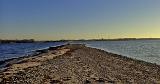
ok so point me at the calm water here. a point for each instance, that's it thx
(146, 50)
(15, 50)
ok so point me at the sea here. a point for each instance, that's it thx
(15, 50)
(146, 50)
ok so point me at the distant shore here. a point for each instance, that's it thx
(78, 64)
(33, 41)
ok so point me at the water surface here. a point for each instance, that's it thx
(14, 50)
(146, 50)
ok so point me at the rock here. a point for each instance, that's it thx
(66, 78)
(87, 81)
(55, 81)
(1, 80)
(100, 80)
(42, 51)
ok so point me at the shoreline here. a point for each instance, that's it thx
(3, 63)
(97, 66)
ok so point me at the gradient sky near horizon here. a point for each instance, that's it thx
(79, 19)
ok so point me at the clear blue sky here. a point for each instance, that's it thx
(79, 19)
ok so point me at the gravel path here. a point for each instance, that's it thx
(83, 65)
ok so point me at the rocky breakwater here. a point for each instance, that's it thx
(78, 64)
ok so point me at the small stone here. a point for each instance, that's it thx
(1, 79)
(66, 78)
(100, 80)
(87, 81)
(55, 81)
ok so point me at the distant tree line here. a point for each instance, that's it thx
(18, 41)
(32, 40)
(123, 39)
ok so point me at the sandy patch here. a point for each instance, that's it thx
(33, 61)
(51, 56)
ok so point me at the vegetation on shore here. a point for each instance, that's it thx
(18, 41)
(32, 40)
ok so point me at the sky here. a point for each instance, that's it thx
(79, 19)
